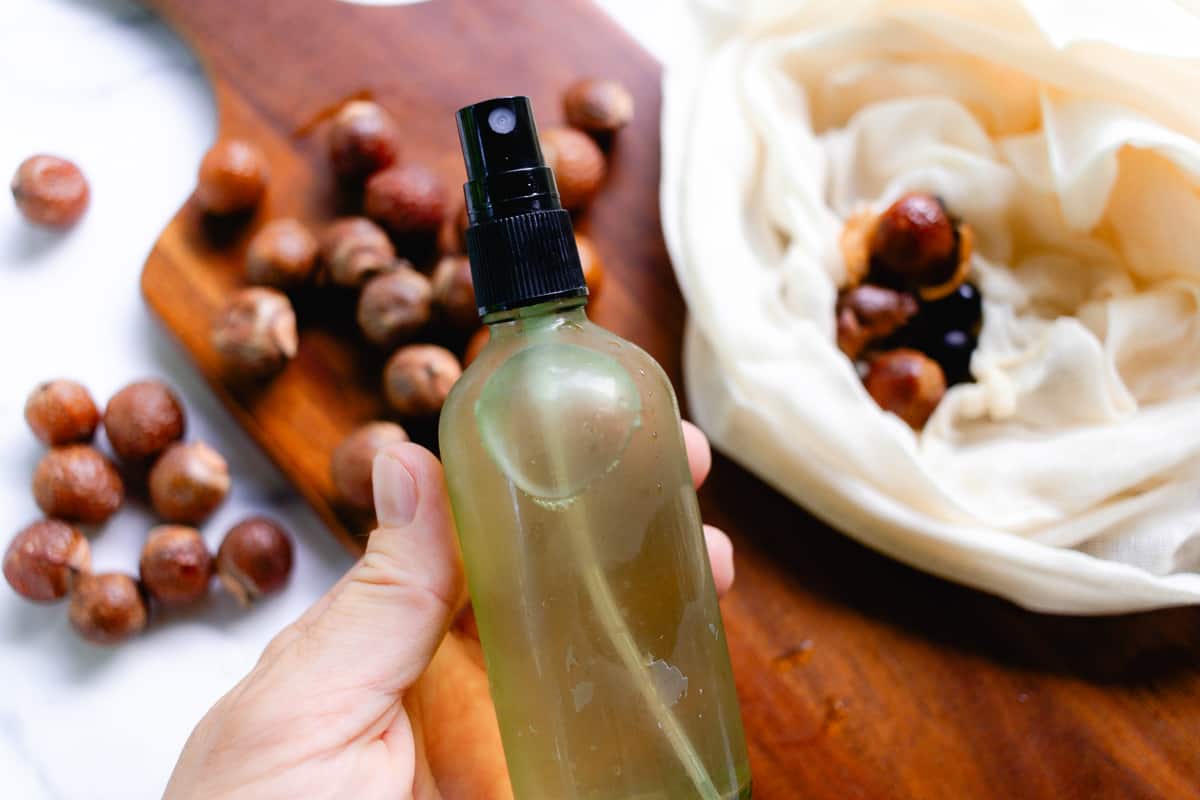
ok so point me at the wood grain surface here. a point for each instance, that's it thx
(859, 677)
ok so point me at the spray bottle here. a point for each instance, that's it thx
(579, 525)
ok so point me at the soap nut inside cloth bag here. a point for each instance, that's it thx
(1066, 476)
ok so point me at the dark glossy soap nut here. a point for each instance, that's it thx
(61, 412)
(952, 349)
(75, 482)
(188, 482)
(282, 254)
(142, 420)
(354, 250)
(915, 239)
(962, 309)
(362, 140)
(598, 106)
(254, 559)
(353, 462)
(176, 567)
(906, 382)
(233, 177)
(44, 558)
(107, 608)
(407, 199)
(394, 306)
(50, 191)
(418, 378)
(454, 292)
(255, 334)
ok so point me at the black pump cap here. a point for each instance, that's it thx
(520, 240)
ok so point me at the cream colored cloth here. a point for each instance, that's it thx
(1067, 477)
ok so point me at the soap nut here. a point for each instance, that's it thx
(188, 482)
(454, 292)
(578, 164)
(232, 178)
(142, 420)
(914, 239)
(354, 458)
(107, 608)
(43, 559)
(254, 559)
(394, 306)
(61, 412)
(50, 191)
(282, 254)
(907, 383)
(406, 199)
(362, 140)
(176, 567)
(75, 482)
(598, 106)
(354, 250)
(417, 379)
(255, 333)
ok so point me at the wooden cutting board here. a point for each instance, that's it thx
(859, 677)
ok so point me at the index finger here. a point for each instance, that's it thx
(698, 451)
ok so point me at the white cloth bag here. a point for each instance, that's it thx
(1067, 477)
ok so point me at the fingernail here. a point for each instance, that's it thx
(395, 491)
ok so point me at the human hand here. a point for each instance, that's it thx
(373, 692)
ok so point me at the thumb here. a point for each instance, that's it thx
(382, 626)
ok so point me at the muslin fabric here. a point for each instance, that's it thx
(1066, 477)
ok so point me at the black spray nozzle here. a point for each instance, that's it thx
(520, 240)
(506, 174)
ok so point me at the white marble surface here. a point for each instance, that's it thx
(103, 83)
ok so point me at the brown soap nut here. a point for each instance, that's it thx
(589, 260)
(454, 292)
(255, 333)
(107, 608)
(578, 164)
(176, 567)
(475, 345)
(353, 462)
(354, 250)
(598, 106)
(452, 236)
(408, 199)
(868, 313)
(282, 254)
(232, 178)
(142, 420)
(418, 377)
(188, 482)
(75, 482)
(254, 559)
(61, 411)
(362, 140)
(50, 191)
(907, 383)
(43, 559)
(394, 306)
(915, 239)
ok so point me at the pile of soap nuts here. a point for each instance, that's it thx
(402, 202)
(906, 313)
(74, 483)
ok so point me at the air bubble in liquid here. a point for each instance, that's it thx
(556, 417)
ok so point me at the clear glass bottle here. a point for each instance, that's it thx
(579, 524)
